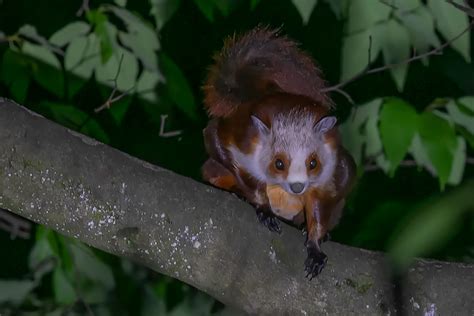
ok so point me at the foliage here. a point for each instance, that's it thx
(129, 74)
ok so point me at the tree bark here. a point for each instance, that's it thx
(198, 234)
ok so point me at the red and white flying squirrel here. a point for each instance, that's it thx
(271, 139)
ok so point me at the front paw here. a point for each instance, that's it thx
(269, 220)
(315, 262)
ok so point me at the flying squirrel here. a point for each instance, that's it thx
(271, 138)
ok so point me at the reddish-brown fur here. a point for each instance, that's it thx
(259, 63)
(263, 74)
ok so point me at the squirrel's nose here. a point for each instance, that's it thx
(297, 187)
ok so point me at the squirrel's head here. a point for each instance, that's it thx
(295, 153)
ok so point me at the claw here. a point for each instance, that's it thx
(270, 221)
(315, 262)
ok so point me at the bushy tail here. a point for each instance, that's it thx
(256, 64)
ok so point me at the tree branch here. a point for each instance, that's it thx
(195, 233)
(436, 51)
(406, 163)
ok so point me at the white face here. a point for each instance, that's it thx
(293, 153)
(297, 180)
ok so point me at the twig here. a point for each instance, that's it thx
(162, 128)
(391, 5)
(408, 163)
(16, 226)
(346, 95)
(370, 51)
(84, 8)
(113, 98)
(45, 43)
(467, 9)
(435, 51)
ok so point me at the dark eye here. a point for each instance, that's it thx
(279, 164)
(312, 164)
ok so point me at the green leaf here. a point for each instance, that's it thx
(69, 32)
(140, 38)
(125, 65)
(467, 136)
(90, 266)
(254, 3)
(405, 5)
(373, 142)
(339, 7)
(15, 74)
(119, 109)
(224, 6)
(365, 14)
(354, 135)
(106, 33)
(151, 304)
(199, 305)
(30, 32)
(459, 162)
(431, 226)
(395, 42)
(74, 119)
(398, 124)
(178, 87)
(419, 154)
(352, 140)
(46, 73)
(41, 53)
(305, 8)
(467, 102)
(451, 21)
(63, 290)
(163, 10)
(41, 253)
(207, 8)
(439, 140)
(420, 25)
(64, 114)
(14, 292)
(145, 54)
(355, 53)
(121, 3)
(372, 137)
(460, 117)
(146, 85)
(83, 56)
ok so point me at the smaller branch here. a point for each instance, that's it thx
(16, 226)
(346, 95)
(84, 8)
(370, 51)
(391, 5)
(435, 51)
(407, 163)
(467, 9)
(162, 128)
(113, 98)
(45, 43)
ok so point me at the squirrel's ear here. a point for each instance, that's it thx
(325, 124)
(264, 130)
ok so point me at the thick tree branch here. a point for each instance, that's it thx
(200, 235)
